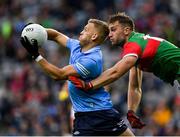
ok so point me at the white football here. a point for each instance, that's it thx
(35, 32)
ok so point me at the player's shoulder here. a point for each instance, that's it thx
(72, 44)
(95, 57)
(73, 41)
(136, 36)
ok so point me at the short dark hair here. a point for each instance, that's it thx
(102, 28)
(122, 18)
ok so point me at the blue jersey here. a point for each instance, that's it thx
(88, 65)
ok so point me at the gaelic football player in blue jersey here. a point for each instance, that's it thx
(94, 114)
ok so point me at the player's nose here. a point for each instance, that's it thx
(109, 36)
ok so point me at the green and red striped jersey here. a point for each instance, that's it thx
(154, 55)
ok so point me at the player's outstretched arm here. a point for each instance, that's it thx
(53, 71)
(108, 76)
(134, 97)
(114, 73)
(56, 36)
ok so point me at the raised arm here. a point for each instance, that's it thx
(56, 36)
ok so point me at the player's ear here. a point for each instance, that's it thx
(94, 36)
(127, 30)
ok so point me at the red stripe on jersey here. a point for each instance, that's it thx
(131, 48)
(148, 54)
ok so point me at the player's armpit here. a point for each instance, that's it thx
(58, 37)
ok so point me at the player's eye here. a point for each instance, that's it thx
(113, 29)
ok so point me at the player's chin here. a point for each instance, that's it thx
(113, 43)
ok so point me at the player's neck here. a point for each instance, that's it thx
(88, 47)
(127, 37)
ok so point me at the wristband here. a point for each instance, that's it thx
(38, 58)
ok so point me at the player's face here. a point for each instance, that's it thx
(116, 33)
(86, 34)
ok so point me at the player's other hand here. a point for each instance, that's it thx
(80, 83)
(134, 120)
(31, 47)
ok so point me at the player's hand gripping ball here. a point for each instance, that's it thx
(35, 32)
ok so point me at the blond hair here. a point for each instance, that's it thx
(102, 28)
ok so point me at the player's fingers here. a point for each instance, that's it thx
(34, 42)
(27, 41)
(138, 125)
(72, 77)
(74, 81)
(135, 117)
(27, 44)
(77, 84)
(22, 41)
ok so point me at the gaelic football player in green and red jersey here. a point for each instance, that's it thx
(151, 54)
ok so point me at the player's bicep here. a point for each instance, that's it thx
(62, 39)
(58, 37)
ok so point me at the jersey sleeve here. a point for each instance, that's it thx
(131, 49)
(72, 43)
(85, 67)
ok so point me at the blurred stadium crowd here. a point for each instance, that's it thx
(31, 103)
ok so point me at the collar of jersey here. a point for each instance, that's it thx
(132, 33)
(92, 50)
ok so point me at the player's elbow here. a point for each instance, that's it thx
(138, 90)
(135, 88)
(58, 75)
